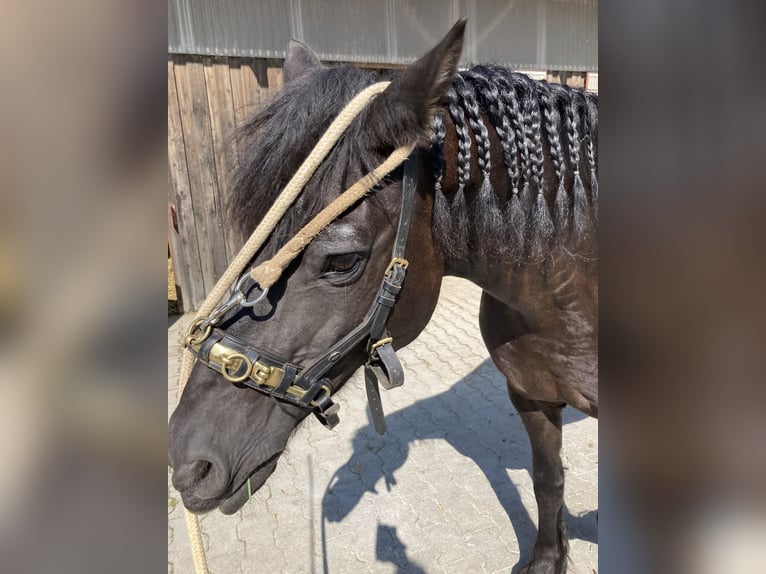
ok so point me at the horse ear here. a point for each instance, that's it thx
(404, 111)
(299, 60)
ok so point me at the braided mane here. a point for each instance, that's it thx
(546, 133)
(546, 137)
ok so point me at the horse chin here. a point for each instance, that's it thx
(240, 496)
(197, 505)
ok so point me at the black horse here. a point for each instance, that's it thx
(507, 198)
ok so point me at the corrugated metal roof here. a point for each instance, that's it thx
(531, 34)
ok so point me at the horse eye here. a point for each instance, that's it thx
(342, 263)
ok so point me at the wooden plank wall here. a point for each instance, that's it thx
(208, 97)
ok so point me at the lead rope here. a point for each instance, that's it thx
(268, 272)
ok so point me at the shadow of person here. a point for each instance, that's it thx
(477, 419)
(388, 548)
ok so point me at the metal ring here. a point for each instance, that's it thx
(243, 298)
(195, 339)
(226, 361)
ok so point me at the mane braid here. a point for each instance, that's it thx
(518, 87)
(591, 158)
(533, 132)
(551, 132)
(540, 225)
(489, 94)
(438, 133)
(513, 108)
(458, 242)
(489, 97)
(581, 216)
(516, 221)
(463, 138)
(467, 99)
(549, 97)
(442, 219)
(485, 207)
(574, 153)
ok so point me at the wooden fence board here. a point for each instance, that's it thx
(244, 89)
(200, 160)
(222, 122)
(273, 79)
(186, 262)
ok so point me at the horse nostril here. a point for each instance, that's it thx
(187, 476)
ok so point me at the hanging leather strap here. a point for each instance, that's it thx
(373, 401)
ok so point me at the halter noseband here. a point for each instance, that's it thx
(309, 387)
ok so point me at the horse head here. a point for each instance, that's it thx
(226, 438)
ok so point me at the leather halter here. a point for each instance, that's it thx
(309, 387)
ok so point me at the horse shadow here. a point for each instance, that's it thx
(477, 419)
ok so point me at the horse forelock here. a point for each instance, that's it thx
(272, 145)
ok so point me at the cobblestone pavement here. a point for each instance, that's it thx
(447, 489)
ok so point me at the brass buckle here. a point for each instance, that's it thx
(400, 260)
(267, 375)
(380, 343)
(261, 373)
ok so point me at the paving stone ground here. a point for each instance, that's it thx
(447, 489)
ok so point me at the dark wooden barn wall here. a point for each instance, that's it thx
(207, 98)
